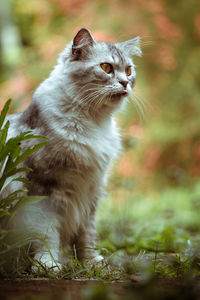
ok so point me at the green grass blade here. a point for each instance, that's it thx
(31, 136)
(4, 112)
(24, 200)
(8, 200)
(28, 152)
(23, 180)
(8, 148)
(12, 172)
(2, 165)
(3, 135)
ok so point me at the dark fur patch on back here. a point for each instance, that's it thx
(31, 116)
(41, 184)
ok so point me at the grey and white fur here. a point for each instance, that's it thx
(74, 109)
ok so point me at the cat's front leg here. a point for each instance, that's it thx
(85, 241)
(45, 250)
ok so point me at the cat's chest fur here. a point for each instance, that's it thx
(76, 156)
(91, 144)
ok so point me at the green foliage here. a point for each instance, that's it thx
(11, 157)
(153, 236)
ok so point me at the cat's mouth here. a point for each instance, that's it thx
(119, 95)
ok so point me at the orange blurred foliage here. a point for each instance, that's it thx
(19, 86)
(49, 49)
(166, 57)
(70, 7)
(125, 167)
(166, 29)
(150, 158)
(103, 36)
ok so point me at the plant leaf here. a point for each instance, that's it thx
(4, 112)
(12, 172)
(23, 180)
(3, 134)
(28, 152)
(5, 202)
(24, 200)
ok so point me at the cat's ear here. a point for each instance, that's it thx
(132, 46)
(82, 43)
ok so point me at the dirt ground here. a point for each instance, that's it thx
(48, 288)
(51, 289)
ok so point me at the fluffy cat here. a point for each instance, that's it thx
(74, 109)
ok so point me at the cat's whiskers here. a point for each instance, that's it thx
(91, 98)
(94, 101)
(90, 87)
(104, 93)
(85, 103)
(140, 100)
(98, 102)
(91, 92)
(139, 106)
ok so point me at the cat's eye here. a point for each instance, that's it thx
(107, 67)
(128, 70)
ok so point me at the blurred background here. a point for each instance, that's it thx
(161, 135)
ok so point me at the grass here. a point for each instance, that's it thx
(170, 219)
(159, 233)
(144, 237)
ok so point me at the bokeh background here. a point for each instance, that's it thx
(161, 135)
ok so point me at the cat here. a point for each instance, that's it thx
(74, 109)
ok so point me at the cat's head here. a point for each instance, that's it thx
(100, 74)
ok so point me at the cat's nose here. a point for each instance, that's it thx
(124, 83)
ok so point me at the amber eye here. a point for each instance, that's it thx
(107, 67)
(128, 70)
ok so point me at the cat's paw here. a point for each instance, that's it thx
(44, 263)
(42, 267)
(97, 259)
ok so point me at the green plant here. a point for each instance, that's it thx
(11, 157)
